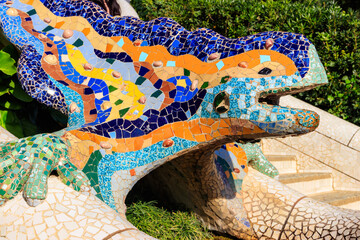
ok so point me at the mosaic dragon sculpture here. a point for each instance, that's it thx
(140, 95)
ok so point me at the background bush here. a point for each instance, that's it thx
(19, 113)
(349, 4)
(333, 30)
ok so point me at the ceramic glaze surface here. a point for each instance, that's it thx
(140, 94)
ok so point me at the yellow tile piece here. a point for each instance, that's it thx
(127, 91)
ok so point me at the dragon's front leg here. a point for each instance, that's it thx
(27, 163)
(257, 160)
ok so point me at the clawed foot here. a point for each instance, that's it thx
(258, 161)
(26, 164)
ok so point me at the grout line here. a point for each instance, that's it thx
(287, 219)
(339, 141)
(116, 232)
(352, 137)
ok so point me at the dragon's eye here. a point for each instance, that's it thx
(221, 103)
(265, 71)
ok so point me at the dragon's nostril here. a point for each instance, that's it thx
(265, 71)
(221, 102)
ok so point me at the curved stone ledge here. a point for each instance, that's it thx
(6, 136)
(355, 141)
(65, 214)
(127, 9)
(330, 126)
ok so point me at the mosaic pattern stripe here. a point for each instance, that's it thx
(141, 94)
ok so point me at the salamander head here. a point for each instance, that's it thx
(247, 95)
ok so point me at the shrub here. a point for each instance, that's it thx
(334, 32)
(349, 4)
(13, 100)
(19, 113)
(162, 224)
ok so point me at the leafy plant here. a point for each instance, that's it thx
(335, 33)
(162, 224)
(12, 97)
(19, 113)
(349, 4)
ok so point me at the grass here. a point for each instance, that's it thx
(163, 224)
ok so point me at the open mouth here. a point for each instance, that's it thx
(272, 97)
(288, 120)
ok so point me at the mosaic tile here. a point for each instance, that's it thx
(141, 94)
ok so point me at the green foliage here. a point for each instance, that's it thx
(19, 113)
(334, 32)
(349, 4)
(163, 224)
(7, 63)
(12, 98)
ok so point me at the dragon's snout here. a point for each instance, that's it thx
(264, 109)
(309, 120)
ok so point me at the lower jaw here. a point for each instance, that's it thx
(289, 121)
